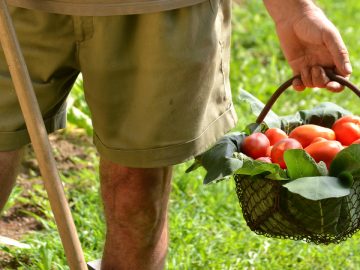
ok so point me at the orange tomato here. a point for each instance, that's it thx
(347, 129)
(305, 134)
(255, 145)
(275, 134)
(324, 151)
(277, 152)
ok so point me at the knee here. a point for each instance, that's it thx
(11, 158)
(135, 199)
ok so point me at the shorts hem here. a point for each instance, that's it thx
(14, 140)
(172, 154)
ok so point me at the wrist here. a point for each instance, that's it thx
(283, 10)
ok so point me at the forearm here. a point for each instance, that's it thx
(281, 10)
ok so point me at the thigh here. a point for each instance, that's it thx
(158, 87)
(48, 46)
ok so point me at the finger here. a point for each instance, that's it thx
(338, 72)
(298, 85)
(334, 86)
(319, 77)
(306, 77)
(338, 51)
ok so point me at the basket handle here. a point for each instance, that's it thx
(332, 76)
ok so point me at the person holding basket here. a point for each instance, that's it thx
(161, 60)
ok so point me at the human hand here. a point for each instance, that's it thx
(311, 43)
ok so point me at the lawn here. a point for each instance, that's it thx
(206, 223)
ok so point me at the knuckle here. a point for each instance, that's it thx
(343, 52)
(306, 77)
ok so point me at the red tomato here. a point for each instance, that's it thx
(318, 139)
(275, 134)
(277, 152)
(268, 151)
(357, 141)
(324, 151)
(264, 159)
(347, 129)
(305, 134)
(255, 145)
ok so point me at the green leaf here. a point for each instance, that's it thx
(300, 164)
(322, 168)
(194, 166)
(252, 167)
(290, 122)
(346, 178)
(255, 127)
(318, 187)
(219, 161)
(271, 119)
(348, 160)
(325, 114)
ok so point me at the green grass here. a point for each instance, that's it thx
(207, 230)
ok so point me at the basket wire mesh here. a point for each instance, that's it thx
(270, 209)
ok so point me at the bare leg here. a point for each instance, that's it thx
(9, 166)
(135, 202)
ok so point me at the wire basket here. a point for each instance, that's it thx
(272, 210)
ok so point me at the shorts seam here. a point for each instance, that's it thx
(170, 146)
(172, 154)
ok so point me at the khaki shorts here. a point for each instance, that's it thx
(156, 84)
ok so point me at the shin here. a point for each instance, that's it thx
(135, 202)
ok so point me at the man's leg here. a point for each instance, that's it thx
(135, 202)
(9, 166)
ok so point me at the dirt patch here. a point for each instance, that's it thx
(71, 152)
(16, 223)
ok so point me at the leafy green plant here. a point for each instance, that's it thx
(78, 110)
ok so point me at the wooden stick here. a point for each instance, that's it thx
(40, 140)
